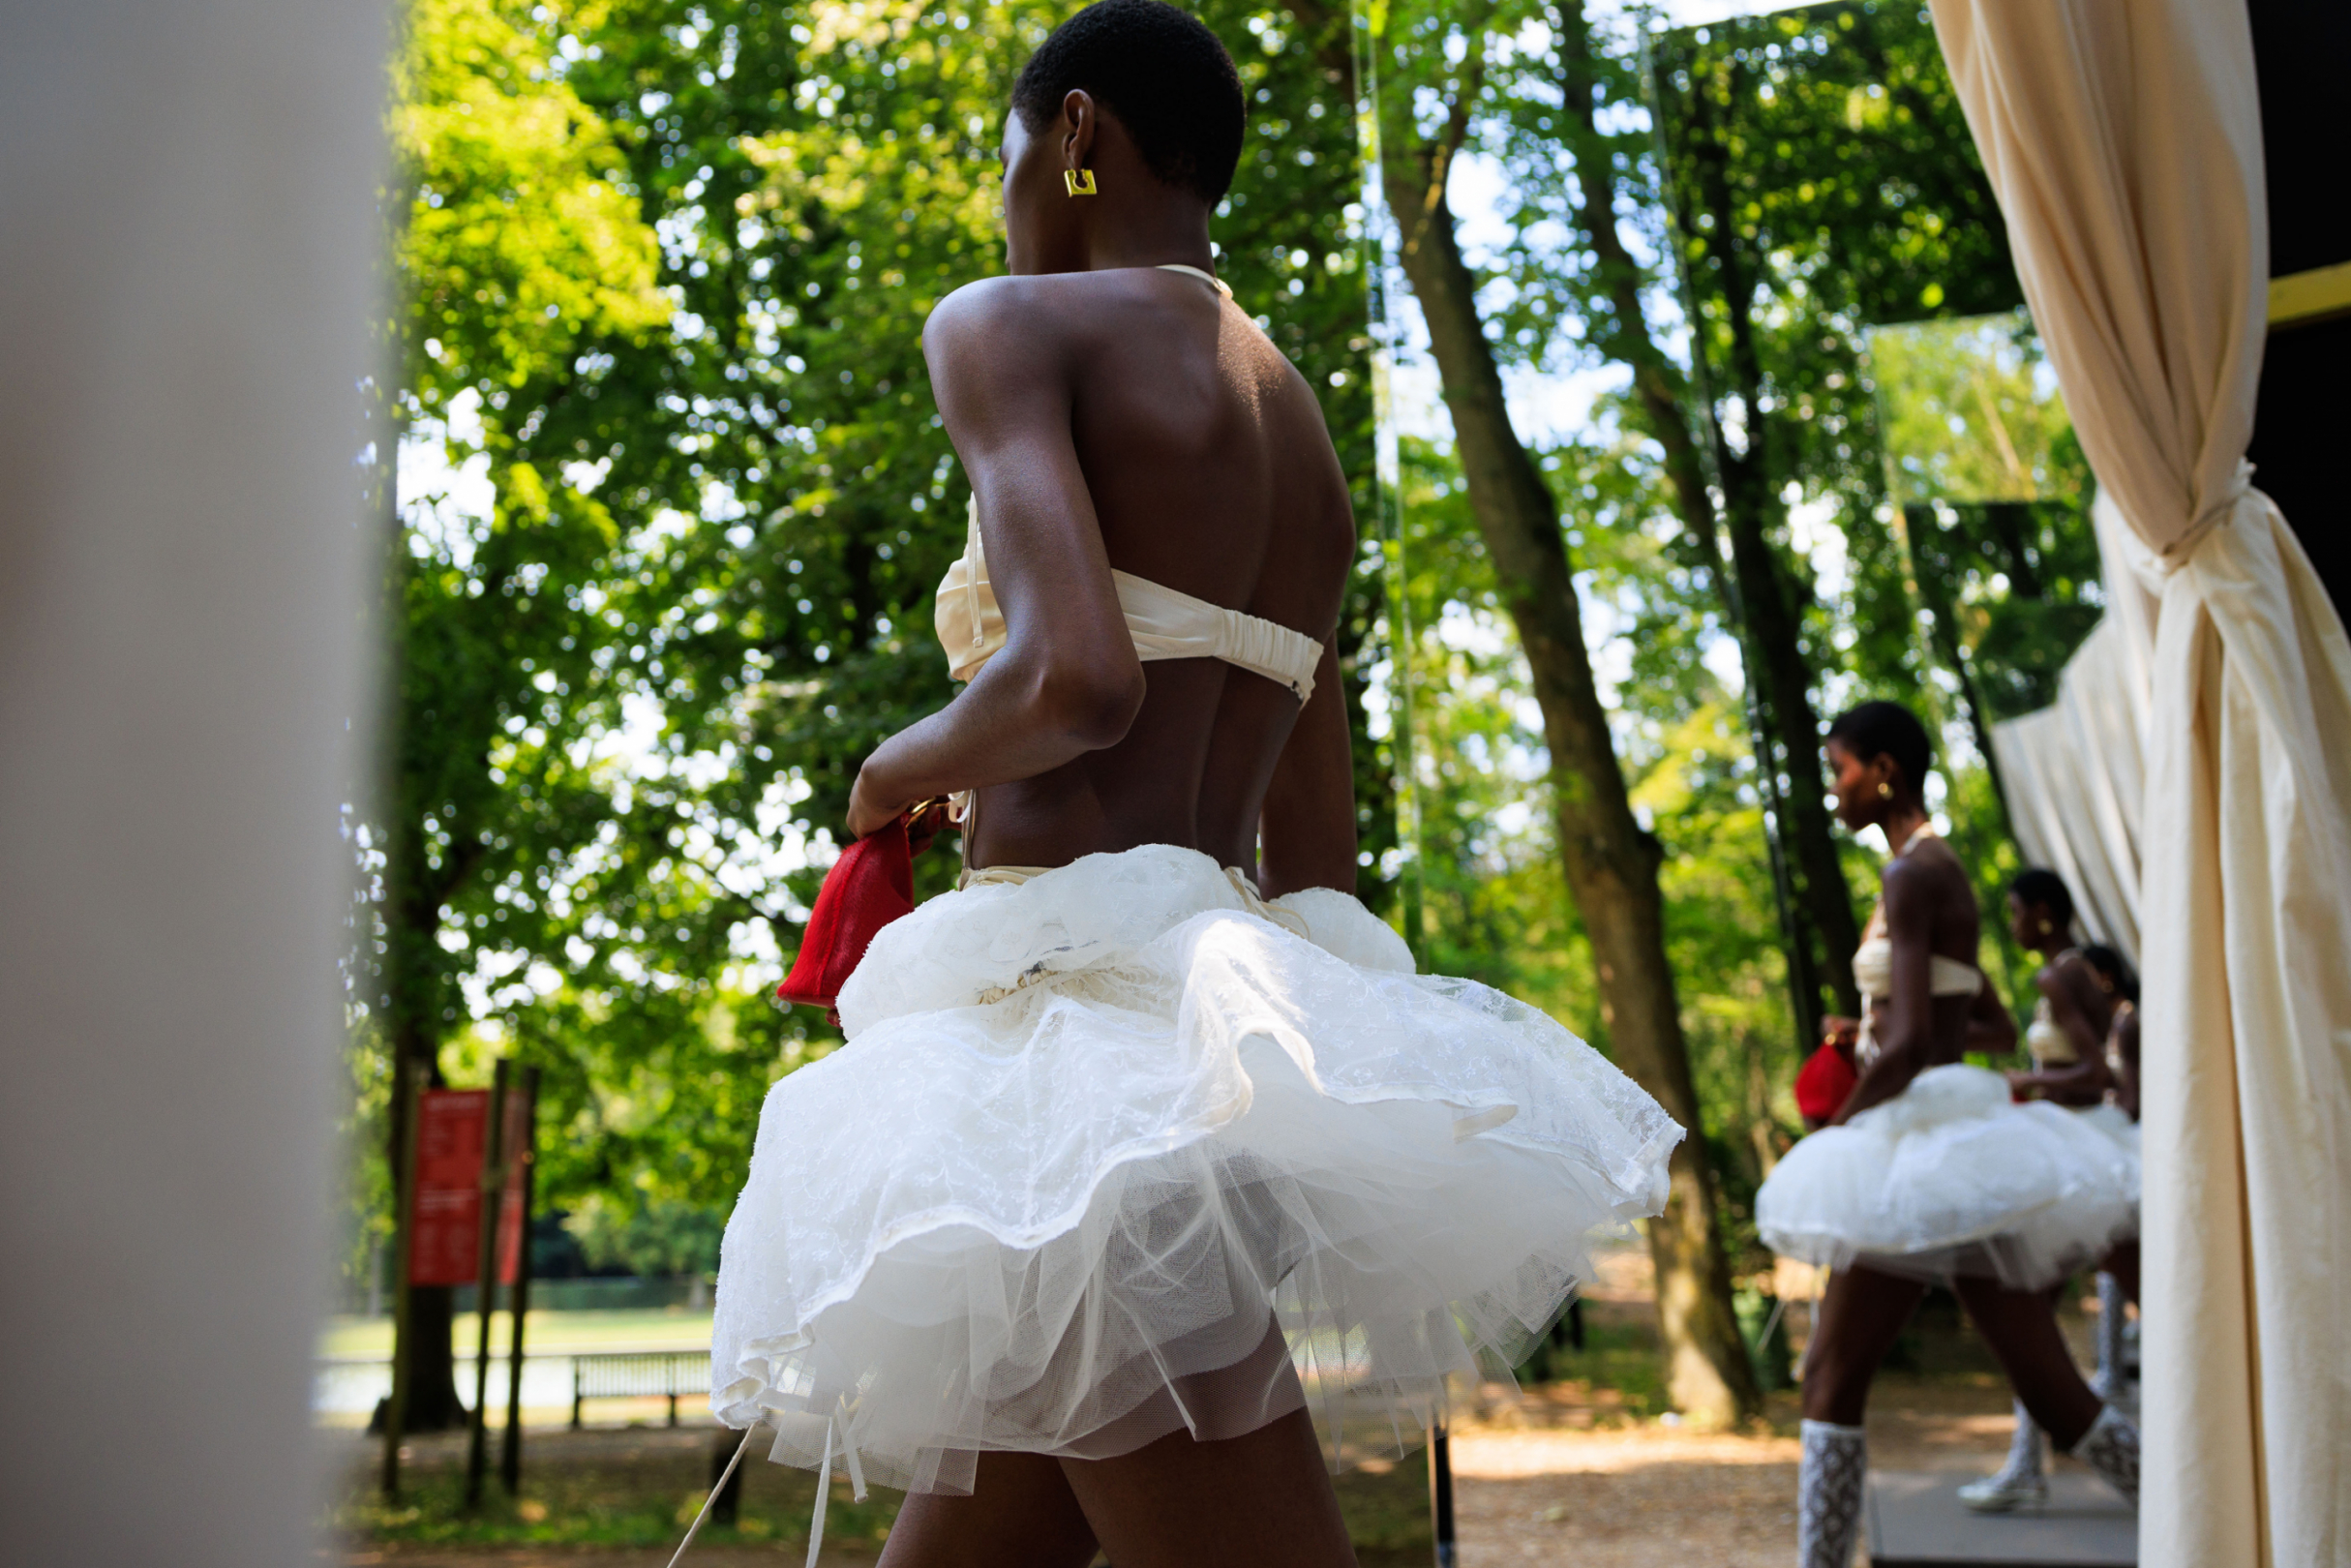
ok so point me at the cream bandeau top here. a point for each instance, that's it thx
(1874, 968)
(1165, 624)
(2045, 1038)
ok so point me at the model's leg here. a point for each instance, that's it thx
(2122, 1267)
(1261, 1498)
(2023, 1477)
(2021, 1328)
(1021, 1514)
(1860, 1313)
(2123, 1264)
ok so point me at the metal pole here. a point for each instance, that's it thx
(1363, 41)
(518, 1305)
(410, 1086)
(1440, 1495)
(494, 1189)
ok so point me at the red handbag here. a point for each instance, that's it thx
(1823, 1083)
(871, 884)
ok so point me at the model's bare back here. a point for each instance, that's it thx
(1211, 473)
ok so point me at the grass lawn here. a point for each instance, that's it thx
(639, 1486)
(661, 1327)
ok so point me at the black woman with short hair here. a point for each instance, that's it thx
(1147, 1144)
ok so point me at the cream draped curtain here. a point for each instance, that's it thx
(2123, 140)
(2073, 772)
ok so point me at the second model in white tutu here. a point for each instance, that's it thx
(1950, 1178)
(1121, 1149)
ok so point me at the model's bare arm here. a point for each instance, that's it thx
(1067, 680)
(1905, 1044)
(1990, 1028)
(1306, 828)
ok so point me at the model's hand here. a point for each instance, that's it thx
(870, 809)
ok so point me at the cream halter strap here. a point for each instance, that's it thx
(1209, 278)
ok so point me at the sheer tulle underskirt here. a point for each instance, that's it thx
(1950, 1179)
(1193, 1172)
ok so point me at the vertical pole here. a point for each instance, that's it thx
(1440, 1495)
(1365, 26)
(409, 1085)
(494, 1189)
(518, 1305)
(1364, 29)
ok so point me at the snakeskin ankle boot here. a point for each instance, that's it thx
(2111, 1447)
(1828, 1494)
(2023, 1480)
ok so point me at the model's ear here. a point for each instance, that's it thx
(1078, 119)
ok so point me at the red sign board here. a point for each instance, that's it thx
(451, 1131)
(444, 1243)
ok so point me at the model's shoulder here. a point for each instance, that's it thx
(1011, 309)
(1923, 870)
(979, 309)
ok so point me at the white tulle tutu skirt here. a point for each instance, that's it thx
(1196, 1163)
(1949, 1178)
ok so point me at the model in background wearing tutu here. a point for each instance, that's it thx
(2119, 1281)
(2067, 1035)
(1929, 1172)
(1147, 1144)
(2066, 1041)
(2116, 980)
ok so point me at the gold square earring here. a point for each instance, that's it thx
(1080, 181)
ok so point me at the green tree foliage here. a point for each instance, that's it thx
(655, 1239)
(519, 243)
(1982, 459)
(1498, 909)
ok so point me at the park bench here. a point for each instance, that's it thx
(637, 1374)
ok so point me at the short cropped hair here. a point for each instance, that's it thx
(1887, 729)
(2111, 964)
(2037, 886)
(1166, 77)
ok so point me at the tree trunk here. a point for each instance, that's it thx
(1816, 883)
(430, 1345)
(410, 1004)
(1611, 863)
(1772, 603)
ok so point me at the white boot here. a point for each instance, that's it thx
(2022, 1480)
(2112, 1379)
(1828, 1494)
(2111, 1447)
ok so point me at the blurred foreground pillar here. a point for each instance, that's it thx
(185, 278)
